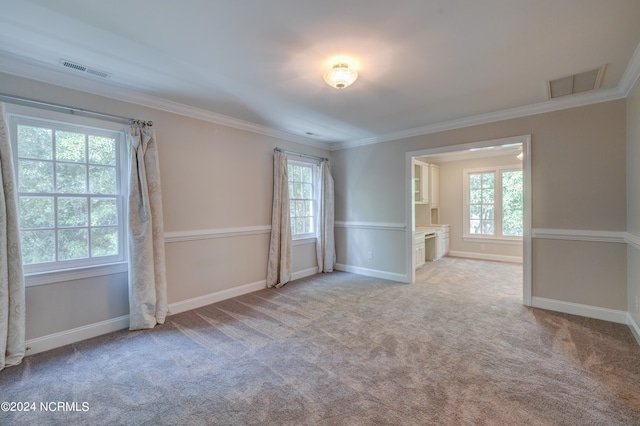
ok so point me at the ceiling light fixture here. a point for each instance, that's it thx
(340, 76)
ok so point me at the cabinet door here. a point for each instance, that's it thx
(421, 182)
(434, 180)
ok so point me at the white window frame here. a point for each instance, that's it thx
(59, 271)
(310, 236)
(497, 237)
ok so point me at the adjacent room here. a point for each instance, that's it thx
(354, 212)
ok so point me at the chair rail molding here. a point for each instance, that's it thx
(580, 235)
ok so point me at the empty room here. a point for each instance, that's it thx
(355, 212)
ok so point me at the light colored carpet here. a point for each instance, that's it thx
(456, 348)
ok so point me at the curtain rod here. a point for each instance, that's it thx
(72, 110)
(299, 154)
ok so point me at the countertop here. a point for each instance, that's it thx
(428, 229)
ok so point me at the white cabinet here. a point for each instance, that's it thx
(442, 242)
(446, 239)
(421, 182)
(434, 185)
(419, 251)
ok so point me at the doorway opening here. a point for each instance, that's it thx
(456, 196)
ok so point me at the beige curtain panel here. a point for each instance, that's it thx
(325, 243)
(12, 293)
(147, 275)
(279, 264)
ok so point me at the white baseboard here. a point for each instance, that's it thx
(635, 328)
(304, 273)
(483, 256)
(55, 340)
(588, 311)
(217, 296)
(392, 276)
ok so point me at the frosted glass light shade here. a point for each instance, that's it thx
(340, 76)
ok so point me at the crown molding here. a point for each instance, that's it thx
(631, 74)
(22, 67)
(573, 101)
(46, 73)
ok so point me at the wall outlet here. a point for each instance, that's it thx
(483, 247)
(369, 255)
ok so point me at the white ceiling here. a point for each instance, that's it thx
(424, 65)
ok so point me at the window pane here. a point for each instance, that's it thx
(297, 174)
(36, 212)
(306, 174)
(475, 181)
(306, 191)
(102, 180)
(38, 246)
(104, 242)
(487, 180)
(512, 203)
(71, 178)
(487, 196)
(35, 176)
(104, 211)
(292, 208)
(300, 208)
(70, 147)
(299, 226)
(72, 244)
(35, 142)
(487, 212)
(474, 227)
(72, 212)
(487, 227)
(474, 212)
(297, 190)
(102, 150)
(475, 196)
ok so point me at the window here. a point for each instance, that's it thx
(494, 203)
(302, 203)
(70, 197)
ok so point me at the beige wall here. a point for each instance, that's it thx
(578, 183)
(633, 199)
(213, 177)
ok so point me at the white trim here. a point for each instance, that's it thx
(501, 240)
(36, 70)
(392, 276)
(631, 73)
(46, 73)
(580, 235)
(634, 327)
(588, 311)
(303, 241)
(386, 226)
(35, 279)
(67, 337)
(208, 234)
(527, 216)
(633, 240)
(216, 296)
(556, 104)
(304, 273)
(486, 256)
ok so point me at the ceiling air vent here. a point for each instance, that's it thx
(582, 82)
(84, 69)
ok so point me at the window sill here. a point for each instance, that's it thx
(303, 241)
(42, 278)
(509, 241)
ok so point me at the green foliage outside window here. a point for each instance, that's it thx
(68, 194)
